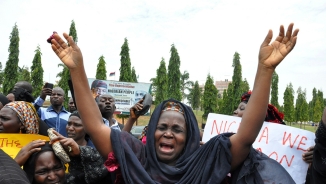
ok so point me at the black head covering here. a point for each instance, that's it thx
(3, 99)
(29, 166)
(22, 94)
(139, 164)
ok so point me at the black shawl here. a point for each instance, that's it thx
(138, 163)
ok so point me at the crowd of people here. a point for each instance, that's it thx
(102, 150)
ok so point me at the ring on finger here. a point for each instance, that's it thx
(69, 149)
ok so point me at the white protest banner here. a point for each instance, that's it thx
(282, 143)
(126, 94)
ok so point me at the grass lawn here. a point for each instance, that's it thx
(143, 120)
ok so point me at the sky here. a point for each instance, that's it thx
(206, 34)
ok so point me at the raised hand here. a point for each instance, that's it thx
(271, 55)
(28, 150)
(71, 55)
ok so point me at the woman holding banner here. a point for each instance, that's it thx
(172, 153)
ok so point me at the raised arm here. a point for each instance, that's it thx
(133, 117)
(270, 55)
(72, 57)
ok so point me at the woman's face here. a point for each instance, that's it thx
(240, 110)
(170, 136)
(75, 129)
(49, 169)
(9, 122)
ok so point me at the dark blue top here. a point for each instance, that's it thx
(54, 119)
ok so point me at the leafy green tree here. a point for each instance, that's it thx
(125, 64)
(288, 104)
(73, 31)
(301, 107)
(274, 92)
(318, 110)
(210, 97)
(174, 75)
(11, 69)
(24, 74)
(133, 75)
(244, 86)
(185, 84)
(37, 72)
(161, 83)
(101, 69)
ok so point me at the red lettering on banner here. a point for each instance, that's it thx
(9, 143)
(219, 130)
(289, 138)
(233, 122)
(274, 153)
(286, 159)
(265, 131)
(301, 142)
(2, 141)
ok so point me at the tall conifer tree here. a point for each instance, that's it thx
(125, 64)
(210, 97)
(274, 92)
(174, 74)
(11, 69)
(161, 82)
(37, 72)
(133, 75)
(64, 74)
(101, 69)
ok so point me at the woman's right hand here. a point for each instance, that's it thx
(68, 144)
(71, 55)
(137, 107)
(27, 151)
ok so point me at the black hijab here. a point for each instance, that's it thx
(138, 163)
(29, 166)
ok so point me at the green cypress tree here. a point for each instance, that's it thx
(161, 82)
(244, 86)
(210, 97)
(64, 74)
(288, 104)
(125, 64)
(196, 96)
(24, 74)
(185, 84)
(101, 69)
(274, 92)
(37, 72)
(1, 75)
(236, 83)
(11, 69)
(174, 86)
(133, 75)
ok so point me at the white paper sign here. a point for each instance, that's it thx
(282, 143)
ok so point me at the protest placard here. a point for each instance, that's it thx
(12, 143)
(282, 143)
(126, 94)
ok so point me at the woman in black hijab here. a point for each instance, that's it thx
(172, 153)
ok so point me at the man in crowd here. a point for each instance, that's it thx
(71, 105)
(55, 116)
(106, 104)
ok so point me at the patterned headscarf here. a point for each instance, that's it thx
(173, 106)
(26, 114)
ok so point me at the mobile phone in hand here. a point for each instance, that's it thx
(49, 85)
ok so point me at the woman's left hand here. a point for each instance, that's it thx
(271, 55)
(71, 147)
